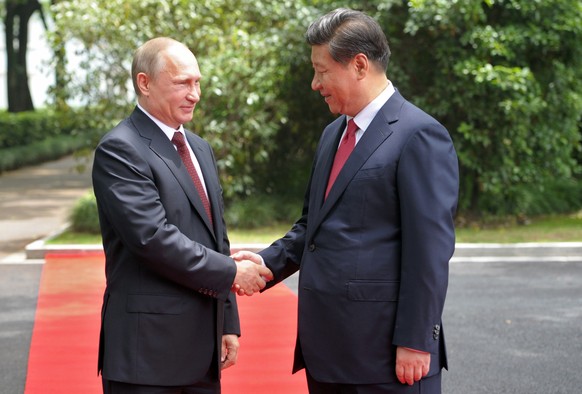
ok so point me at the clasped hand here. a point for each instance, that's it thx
(251, 275)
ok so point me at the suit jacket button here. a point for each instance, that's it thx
(436, 331)
(311, 247)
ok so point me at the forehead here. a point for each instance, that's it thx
(320, 55)
(179, 60)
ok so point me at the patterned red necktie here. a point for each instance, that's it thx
(346, 147)
(180, 143)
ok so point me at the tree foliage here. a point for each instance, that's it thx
(504, 76)
(244, 49)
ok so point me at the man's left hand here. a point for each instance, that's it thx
(411, 365)
(229, 351)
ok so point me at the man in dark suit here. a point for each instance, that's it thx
(376, 235)
(169, 319)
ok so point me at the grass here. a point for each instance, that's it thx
(556, 228)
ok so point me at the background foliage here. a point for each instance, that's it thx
(504, 76)
(32, 137)
(244, 49)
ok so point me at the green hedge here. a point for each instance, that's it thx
(249, 213)
(48, 149)
(24, 128)
(28, 138)
(84, 217)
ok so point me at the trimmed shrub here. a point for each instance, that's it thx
(84, 216)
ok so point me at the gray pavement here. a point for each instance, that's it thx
(34, 203)
(514, 327)
(513, 317)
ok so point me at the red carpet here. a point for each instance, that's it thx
(63, 350)
(269, 326)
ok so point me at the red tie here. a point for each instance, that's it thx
(180, 143)
(346, 147)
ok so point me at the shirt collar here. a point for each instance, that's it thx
(168, 131)
(365, 116)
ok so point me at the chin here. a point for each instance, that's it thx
(333, 110)
(186, 119)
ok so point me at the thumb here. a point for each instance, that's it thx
(223, 352)
(265, 273)
(237, 256)
(242, 255)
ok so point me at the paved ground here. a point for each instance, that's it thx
(513, 327)
(513, 318)
(34, 202)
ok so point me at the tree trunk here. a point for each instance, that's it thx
(18, 13)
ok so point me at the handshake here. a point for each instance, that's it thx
(251, 275)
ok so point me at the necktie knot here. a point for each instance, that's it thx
(352, 126)
(178, 139)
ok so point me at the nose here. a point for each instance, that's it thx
(194, 94)
(315, 83)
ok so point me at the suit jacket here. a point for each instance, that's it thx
(373, 257)
(167, 302)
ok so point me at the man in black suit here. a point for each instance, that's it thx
(169, 319)
(376, 235)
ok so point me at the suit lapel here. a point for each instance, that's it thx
(211, 182)
(376, 133)
(328, 151)
(162, 147)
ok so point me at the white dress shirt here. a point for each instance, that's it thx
(169, 132)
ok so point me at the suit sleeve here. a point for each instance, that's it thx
(231, 316)
(428, 189)
(283, 257)
(130, 205)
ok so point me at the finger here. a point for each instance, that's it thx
(227, 362)
(223, 351)
(266, 273)
(233, 354)
(409, 375)
(262, 283)
(235, 256)
(417, 374)
(400, 373)
(241, 255)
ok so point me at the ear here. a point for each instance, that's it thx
(143, 83)
(361, 65)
